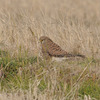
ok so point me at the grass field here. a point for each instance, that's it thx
(74, 25)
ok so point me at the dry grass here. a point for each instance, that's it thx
(73, 24)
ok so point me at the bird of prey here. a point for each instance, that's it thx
(50, 49)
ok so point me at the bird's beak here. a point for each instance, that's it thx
(41, 41)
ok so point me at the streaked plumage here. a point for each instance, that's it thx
(51, 49)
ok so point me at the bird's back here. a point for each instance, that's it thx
(53, 49)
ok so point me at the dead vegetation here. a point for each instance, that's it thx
(74, 25)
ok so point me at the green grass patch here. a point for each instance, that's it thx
(20, 72)
(91, 88)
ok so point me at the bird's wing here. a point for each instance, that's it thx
(56, 51)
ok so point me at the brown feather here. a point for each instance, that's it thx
(52, 49)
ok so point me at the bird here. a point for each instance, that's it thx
(50, 49)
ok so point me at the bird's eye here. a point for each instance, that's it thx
(42, 41)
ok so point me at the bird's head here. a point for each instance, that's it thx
(44, 38)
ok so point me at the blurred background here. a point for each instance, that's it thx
(73, 24)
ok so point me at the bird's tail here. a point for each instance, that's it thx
(74, 55)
